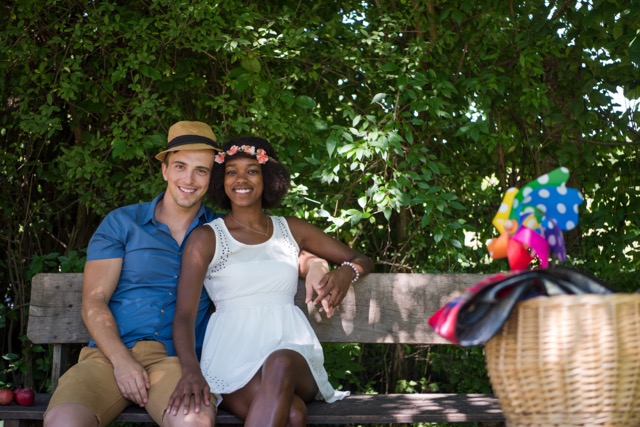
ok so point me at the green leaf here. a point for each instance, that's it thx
(305, 102)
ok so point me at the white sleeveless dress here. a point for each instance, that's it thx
(253, 289)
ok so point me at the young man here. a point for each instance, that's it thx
(129, 295)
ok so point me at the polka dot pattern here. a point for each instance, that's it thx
(545, 206)
(563, 208)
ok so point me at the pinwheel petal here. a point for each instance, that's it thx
(504, 211)
(518, 256)
(498, 246)
(536, 242)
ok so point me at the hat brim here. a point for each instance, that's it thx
(196, 146)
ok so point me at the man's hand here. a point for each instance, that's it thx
(191, 385)
(315, 271)
(132, 379)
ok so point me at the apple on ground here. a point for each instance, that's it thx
(6, 397)
(24, 396)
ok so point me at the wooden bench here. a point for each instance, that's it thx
(382, 308)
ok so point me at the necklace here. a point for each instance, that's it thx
(249, 228)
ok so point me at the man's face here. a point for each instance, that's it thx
(187, 174)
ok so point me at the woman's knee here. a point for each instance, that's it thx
(283, 361)
(297, 413)
(288, 370)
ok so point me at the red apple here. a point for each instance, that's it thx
(6, 397)
(24, 396)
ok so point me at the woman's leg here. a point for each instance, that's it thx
(285, 374)
(297, 412)
(239, 402)
(276, 396)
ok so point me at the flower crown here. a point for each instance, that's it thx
(260, 154)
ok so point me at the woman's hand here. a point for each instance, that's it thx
(332, 288)
(192, 386)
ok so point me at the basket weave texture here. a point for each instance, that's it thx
(569, 360)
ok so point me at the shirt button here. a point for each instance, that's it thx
(155, 333)
(170, 293)
(175, 277)
(162, 310)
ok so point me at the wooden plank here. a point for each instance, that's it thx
(22, 423)
(406, 408)
(57, 367)
(389, 308)
(381, 308)
(355, 409)
(34, 412)
(54, 310)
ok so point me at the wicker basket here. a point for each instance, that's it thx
(570, 360)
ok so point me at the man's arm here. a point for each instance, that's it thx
(335, 284)
(100, 282)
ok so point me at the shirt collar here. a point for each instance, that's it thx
(151, 208)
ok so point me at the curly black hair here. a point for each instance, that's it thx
(275, 176)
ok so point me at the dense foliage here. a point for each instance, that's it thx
(403, 122)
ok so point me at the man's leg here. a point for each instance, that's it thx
(71, 415)
(205, 418)
(164, 373)
(87, 394)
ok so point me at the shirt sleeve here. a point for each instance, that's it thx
(108, 241)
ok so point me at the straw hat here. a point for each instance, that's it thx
(189, 136)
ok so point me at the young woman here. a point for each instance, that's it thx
(261, 360)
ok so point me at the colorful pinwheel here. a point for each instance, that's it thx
(531, 220)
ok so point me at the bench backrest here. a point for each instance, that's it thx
(381, 308)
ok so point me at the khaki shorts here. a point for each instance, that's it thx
(91, 382)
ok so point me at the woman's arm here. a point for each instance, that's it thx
(197, 256)
(352, 264)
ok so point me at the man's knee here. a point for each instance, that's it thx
(70, 415)
(205, 418)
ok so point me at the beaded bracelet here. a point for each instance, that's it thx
(355, 270)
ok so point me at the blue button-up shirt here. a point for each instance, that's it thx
(144, 301)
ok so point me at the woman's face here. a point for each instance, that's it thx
(243, 180)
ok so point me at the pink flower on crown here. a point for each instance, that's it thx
(248, 149)
(262, 157)
(220, 157)
(233, 150)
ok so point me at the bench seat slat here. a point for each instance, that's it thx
(366, 408)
